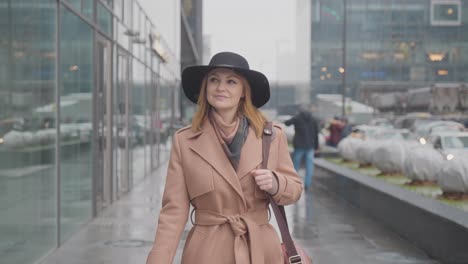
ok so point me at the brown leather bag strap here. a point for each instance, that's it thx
(277, 210)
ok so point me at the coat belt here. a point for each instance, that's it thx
(241, 225)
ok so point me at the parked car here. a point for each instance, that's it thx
(392, 134)
(424, 131)
(450, 144)
(414, 120)
(365, 131)
(381, 122)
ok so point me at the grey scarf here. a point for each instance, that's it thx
(233, 150)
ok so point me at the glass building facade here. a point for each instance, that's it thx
(409, 42)
(86, 87)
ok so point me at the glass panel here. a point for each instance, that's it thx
(104, 19)
(122, 37)
(326, 54)
(148, 43)
(136, 17)
(76, 63)
(164, 112)
(75, 4)
(464, 12)
(143, 36)
(27, 130)
(137, 121)
(118, 8)
(127, 9)
(108, 2)
(88, 8)
(154, 62)
(138, 33)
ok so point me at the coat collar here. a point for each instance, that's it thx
(206, 146)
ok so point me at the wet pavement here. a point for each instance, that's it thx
(330, 229)
(335, 232)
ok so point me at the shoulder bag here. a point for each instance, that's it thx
(293, 253)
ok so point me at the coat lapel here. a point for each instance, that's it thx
(251, 154)
(207, 147)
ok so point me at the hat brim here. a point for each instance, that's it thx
(192, 78)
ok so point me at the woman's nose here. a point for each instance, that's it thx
(221, 86)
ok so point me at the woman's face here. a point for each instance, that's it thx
(224, 90)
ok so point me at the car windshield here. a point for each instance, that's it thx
(459, 142)
(446, 128)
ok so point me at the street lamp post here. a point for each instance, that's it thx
(277, 68)
(277, 73)
(343, 77)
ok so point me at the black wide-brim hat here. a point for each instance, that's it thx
(192, 77)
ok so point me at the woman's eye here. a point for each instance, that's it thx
(232, 82)
(213, 79)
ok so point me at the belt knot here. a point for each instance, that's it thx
(244, 227)
(237, 225)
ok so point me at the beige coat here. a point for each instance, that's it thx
(231, 217)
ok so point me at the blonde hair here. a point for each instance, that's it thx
(246, 108)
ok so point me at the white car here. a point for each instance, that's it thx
(435, 127)
(450, 144)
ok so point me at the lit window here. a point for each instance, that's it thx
(445, 12)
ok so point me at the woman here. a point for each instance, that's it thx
(215, 166)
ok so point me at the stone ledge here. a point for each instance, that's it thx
(438, 229)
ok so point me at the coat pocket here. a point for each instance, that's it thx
(199, 178)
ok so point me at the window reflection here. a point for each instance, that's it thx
(27, 130)
(76, 46)
(388, 42)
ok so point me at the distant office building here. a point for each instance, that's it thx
(292, 84)
(192, 46)
(87, 90)
(403, 42)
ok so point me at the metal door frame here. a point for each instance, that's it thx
(107, 188)
(125, 174)
(154, 155)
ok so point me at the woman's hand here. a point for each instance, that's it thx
(266, 181)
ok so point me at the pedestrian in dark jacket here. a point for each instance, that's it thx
(305, 142)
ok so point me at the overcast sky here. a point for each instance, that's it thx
(260, 30)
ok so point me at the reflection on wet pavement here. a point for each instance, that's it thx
(330, 229)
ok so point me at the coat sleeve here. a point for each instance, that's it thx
(174, 212)
(289, 184)
(290, 121)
